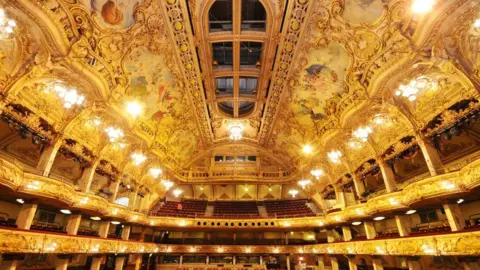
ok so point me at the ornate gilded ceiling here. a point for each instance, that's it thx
(327, 67)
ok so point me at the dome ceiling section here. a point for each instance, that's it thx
(236, 53)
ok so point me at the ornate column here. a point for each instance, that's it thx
(387, 175)
(104, 228)
(9, 265)
(352, 264)
(403, 225)
(116, 187)
(133, 198)
(470, 263)
(347, 233)
(431, 155)
(414, 263)
(73, 224)
(455, 216)
(61, 263)
(26, 215)
(339, 195)
(370, 230)
(87, 177)
(96, 262)
(11, 261)
(377, 263)
(334, 262)
(320, 201)
(288, 261)
(320, 262)
(359, 185)
(330, 236)
(126, 232)
(120, 262)
(48, 157)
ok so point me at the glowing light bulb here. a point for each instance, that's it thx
(307, 149)
(134, 109)
(423, 6)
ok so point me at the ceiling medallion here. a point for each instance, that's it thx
(236, 131)
(6, 25)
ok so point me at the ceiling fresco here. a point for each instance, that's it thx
(325, 69)
(167, 107)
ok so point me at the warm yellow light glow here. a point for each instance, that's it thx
(356, 223)
(335, 156)
(169, 249)
(304, 183)
(293, 192)
(167, 184)
(192, 249)
(248, 250)
(115, 222)
(138, 158)
(95, 248)
(317, 173)
(410, 212)
(34, 185)
(220, 250)
(21, 201)
(95, 218)
(115, 211)
(393, 201)
(177, 192)
(66, 211)
(379, 218)
(459, 201)
(307, 149)
(134, 109)
(447, 185)
(155, 172)
(476, 24)
(422, 6)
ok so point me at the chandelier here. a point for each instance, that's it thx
(335, 156)
(114, 133)
(155, 172)
(362, 133)
(411, 90)
(167, 184)
(177, 192)
(236, 132)
(476, 24)
(354, 144)
(304, 183)
(317, 173)
(68, 95)
(138, 158)
(293, 192)
(6, 25)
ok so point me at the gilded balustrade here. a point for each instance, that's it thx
(443, 185)
(18, 241)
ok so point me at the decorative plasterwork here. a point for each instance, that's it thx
(450, 184)
(14, 241)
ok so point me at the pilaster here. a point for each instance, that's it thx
(26, 215)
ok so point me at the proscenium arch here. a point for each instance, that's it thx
(228, 143)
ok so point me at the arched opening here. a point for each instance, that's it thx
(254, 16)
(221, 16)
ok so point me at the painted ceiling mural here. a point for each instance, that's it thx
(118, 14)
(166, 103)
(363, 11)
(335, 58)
